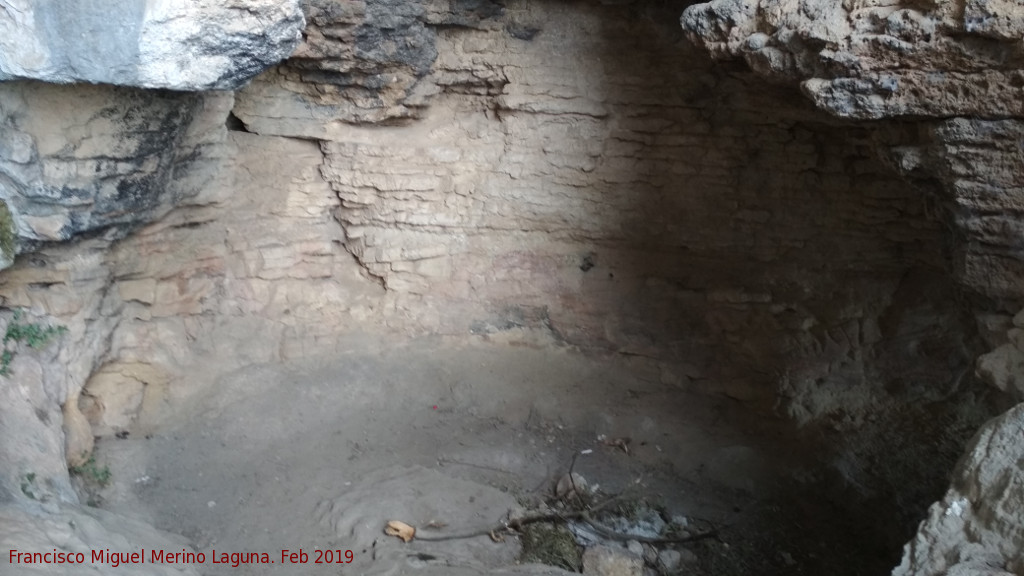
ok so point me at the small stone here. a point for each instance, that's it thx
(567, 487)
(669, 559)
(1003, 368)
(635, 547)
(757, 41)
(1018, 319)
(604, 561)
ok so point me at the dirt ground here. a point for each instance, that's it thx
(319, 455)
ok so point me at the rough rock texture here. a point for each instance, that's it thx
(95, 160)
(92, 161)
(976, 527)
(176, 44)
(563, 179)
(568, 173)
(87, 163)
(951, 72)
(971, 170)
(901, 59)
(560, 182)
(73, 529)
(365, 61)
(550, 174)
(873, 59)
(1004, 366)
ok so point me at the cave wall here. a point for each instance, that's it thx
(949, 74)
(532, 172)
(579, 170)
(567, 173)
(80, 168)
(950, 70)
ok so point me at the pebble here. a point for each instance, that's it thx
(635, 547)
(669, 559)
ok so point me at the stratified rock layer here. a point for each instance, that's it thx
(91, 159)
(951, 73)
(868, 59)
(924, 61)
(526, 171)
(365, 61)
(176, 44)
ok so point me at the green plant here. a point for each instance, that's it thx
(92, 473)
(35, 335)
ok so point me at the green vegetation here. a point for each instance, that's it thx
(35, 335)
(91, 473)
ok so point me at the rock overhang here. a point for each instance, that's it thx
(184, 45)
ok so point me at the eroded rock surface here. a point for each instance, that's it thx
(177, 44)
(953, 68)
(976, 527)
(96, 160)
(71, 529)
(366, 61)
(522, 171)
(971, 171)
(868, 59)
(950, 73)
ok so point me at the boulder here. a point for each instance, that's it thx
(978, 527)
(175, 44)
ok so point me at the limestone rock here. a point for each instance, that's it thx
(526, 197)
(1004, 366)
(74, 529)
(32, 445)
(362, 61)
(605, 561)
(1004, 369)
(971, 170)
(77, 433)
(874, 60)
(175, 44)
(83, 159)
(114, 396)
(879, 60)
(978, 527)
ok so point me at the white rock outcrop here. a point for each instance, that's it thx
(976, 529)
(175, 44)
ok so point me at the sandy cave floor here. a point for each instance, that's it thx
(320, 454)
